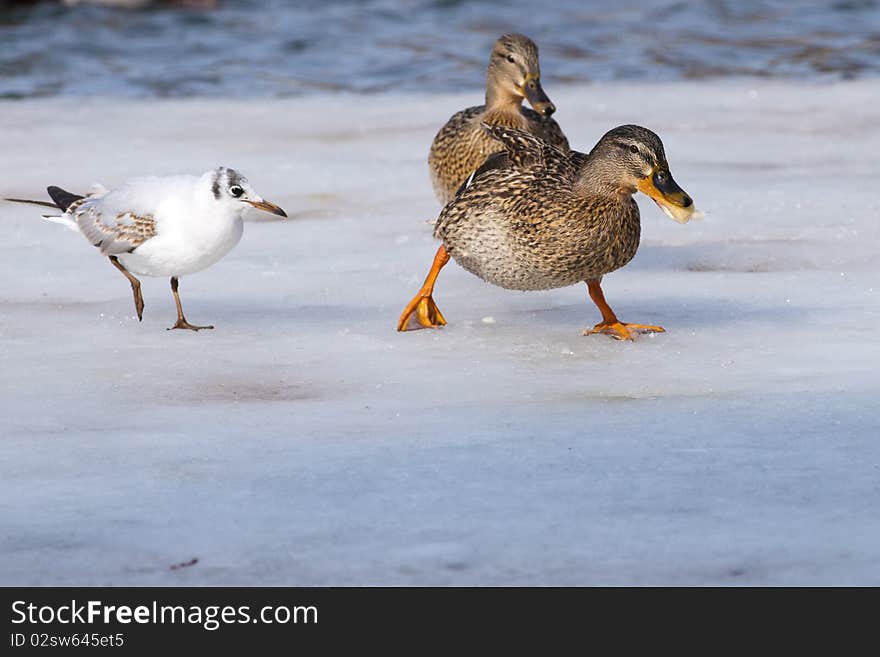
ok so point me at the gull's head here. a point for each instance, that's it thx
(635, 157)
(233, 190)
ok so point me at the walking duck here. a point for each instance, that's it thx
(534, 217)
(462, 145)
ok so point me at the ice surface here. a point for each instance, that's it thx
(305, 442)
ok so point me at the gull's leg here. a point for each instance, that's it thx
(426, 311)
(135, 287)
(181, 320)
(610, 324)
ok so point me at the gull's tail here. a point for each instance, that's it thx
(45, 204)
(62, 200)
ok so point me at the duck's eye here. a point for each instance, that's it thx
(634, 149)
(510, 59)
(236, 191)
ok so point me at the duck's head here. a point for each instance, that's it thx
(514, 74)
(232, 189)
(633, 156)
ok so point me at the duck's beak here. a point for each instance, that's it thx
(666, 193)
(268, 207)
(534, 93)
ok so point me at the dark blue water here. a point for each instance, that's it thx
(275, 48)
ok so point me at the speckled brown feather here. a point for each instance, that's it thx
(462, 145)
(112, 235)
(525, 225)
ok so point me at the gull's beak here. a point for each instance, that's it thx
(666, 193)
(268, 207)
(534, 93)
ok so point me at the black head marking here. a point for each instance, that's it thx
(233, 177)
(224, 178)
(215, 183)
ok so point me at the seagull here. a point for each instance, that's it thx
(168, 226)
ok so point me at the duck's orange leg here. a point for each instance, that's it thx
(426, 311)
(610, 324)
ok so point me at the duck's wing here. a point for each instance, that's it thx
(523, 149)
(553, 134)
(498, 160)
(578, 159)
(546, 128)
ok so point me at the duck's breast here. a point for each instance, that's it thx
(532, 243)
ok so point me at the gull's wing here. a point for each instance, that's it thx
(112, 226)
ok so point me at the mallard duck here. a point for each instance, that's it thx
(534, 217)
(462, 145)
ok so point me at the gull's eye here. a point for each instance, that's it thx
(236, 191)
(510, 59)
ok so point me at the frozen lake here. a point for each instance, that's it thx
(305, 442)
(278, 48)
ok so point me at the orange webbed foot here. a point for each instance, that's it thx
(623, 330)
(426, 313)
(422, 305)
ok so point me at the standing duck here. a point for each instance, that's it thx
(462, 145)
(534, 217)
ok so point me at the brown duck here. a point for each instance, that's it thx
(534, 217)
(462, 145)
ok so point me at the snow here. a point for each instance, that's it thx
(305, 442)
